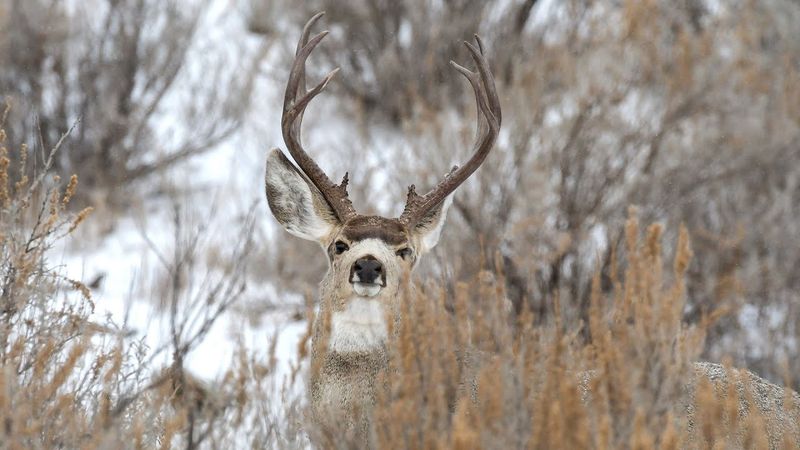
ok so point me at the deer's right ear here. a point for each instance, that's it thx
(295, 202)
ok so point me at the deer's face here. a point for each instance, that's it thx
(368, 256)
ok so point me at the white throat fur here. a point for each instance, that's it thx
(361, 327)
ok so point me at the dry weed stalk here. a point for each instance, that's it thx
(49, 363)
(67, 381)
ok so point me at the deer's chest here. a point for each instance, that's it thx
(346, 381)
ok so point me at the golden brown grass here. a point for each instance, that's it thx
(463, 370)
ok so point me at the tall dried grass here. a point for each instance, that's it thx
(463, 371)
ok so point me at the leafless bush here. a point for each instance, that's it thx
(377, 42)
(123, 68)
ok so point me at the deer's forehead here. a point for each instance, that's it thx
(390, 231)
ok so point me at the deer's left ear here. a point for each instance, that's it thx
(429, 228)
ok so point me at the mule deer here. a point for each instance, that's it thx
(369, 256)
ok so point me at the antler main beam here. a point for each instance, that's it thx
(295, 102)
(417, 206)
(489, 119)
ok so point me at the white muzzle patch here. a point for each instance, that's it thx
(361, 327)
(366, 289)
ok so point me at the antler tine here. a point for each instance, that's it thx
(292, 119)
(489, 119)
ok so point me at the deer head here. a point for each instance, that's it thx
(368, 255)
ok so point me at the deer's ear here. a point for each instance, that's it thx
(295, 202)
(429, 228)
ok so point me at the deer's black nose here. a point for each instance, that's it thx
(366, 270)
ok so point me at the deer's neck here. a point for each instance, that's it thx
(359, 327)
(348, 323)
(348, 351)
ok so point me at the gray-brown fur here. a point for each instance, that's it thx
(390, 231)
(778, 407)
(342, 386)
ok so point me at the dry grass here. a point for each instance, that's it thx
(463, 370)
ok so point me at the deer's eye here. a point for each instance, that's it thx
(404, 252)
(340, 247)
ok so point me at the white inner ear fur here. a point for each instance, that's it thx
(430, 230)
(292, 200)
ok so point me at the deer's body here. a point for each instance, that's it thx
(369, 256)
(776, 407)
(344, 383)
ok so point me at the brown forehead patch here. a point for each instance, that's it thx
(390, 231)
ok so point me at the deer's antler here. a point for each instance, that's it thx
(294, 105)
(489, 118)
